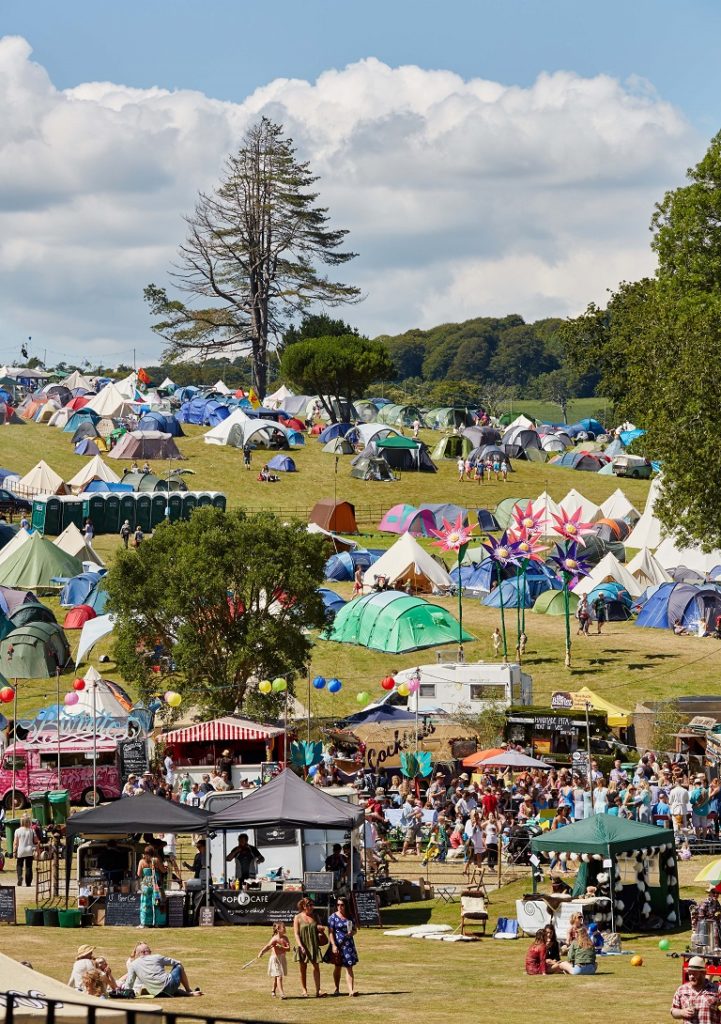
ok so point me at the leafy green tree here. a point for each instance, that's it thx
(338, 370)
(317, 325)
(557, 387)
(228, 596)
(252, 257)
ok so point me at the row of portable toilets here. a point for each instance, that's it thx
(107, 511)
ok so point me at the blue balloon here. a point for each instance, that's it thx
(319, 682)
(334, 685)
(313, 769)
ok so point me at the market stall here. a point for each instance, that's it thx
(294, 825)
(197, 748)
(107, 865)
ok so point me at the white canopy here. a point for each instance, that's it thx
(694, 558)
(609, 569)
(111, 401)
(589, 512)
(93, 630)
(647, 532)
(407, 559)
(95, 469)
(219, 434)
(617, 506)
(647, 569)
(77, 380)
(72, 542)
(41, 480)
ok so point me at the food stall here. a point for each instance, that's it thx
(196, 749)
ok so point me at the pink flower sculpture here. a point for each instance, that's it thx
(453, 536)
(571, 527)
(527, 521)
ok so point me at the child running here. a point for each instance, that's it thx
(277, 963)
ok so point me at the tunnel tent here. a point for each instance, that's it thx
(453, 446)
(694, 607)
(341, 566)
(153, 444)
(445, 417)
(261, 434)
(163, 422)
(400, 415)
(34, 651)
(394, 623)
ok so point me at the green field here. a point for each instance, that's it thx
(625, 664)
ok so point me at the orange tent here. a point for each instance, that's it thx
(480, 755)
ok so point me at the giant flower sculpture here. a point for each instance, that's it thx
(528, 545)
(455, 537)
(526, 521)
(526, 537)
(570, 527)
(503, 552)
(570, 566)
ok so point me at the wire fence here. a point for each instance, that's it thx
(17, 1005)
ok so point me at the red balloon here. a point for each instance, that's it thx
(388, 683)
(7, 695)
(78, 684)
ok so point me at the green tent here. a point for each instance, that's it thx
(645, 872)
(551, 602)
(504, 510)
(338, 446)
(394, 622)
(397, 441)
(452, 446)
(35, 563)
(34, 651)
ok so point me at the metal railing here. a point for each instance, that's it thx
(125, 1013)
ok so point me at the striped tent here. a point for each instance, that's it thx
(221, 730)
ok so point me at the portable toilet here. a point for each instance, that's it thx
(205, 499)
(94, 510)
(71, 511)
(159, 505)
(143, 511)
(127, 510)
(175, 506)
(112, 514)
(190, 503)
(219, 500)
(47, 515)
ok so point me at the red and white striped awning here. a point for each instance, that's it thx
(222, 729)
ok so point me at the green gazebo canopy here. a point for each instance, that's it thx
(603, 834)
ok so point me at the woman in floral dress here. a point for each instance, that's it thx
(340, 931)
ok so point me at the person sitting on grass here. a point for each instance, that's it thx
(581, 956)
(148, 969)
(536, 955)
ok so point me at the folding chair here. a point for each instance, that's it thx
(507, 928)
(447, 893)
(476, 883)
(473, 908)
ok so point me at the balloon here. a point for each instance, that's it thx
(173, 699)
(334, 685)
(664, 944)
(403, 690)
(7, 695)
(319, 682)
(312, 770)
(637, 961)
(78, 684)
(363, 697)
(279, 685)
(265, 686)
(388, 683)
(71, 698)
(413, 686)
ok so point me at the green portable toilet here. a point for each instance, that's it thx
(72, 512)
(159, 504)
(47, 515)
(94, 509)
(219, 501)
(205, 498)
(143, 512)
(112, 513)
(190, 503)
(40, 807)
(175, 506)
(59, 801)
(127, 510)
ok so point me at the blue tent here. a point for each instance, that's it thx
(87, 447)
(98, 598)
(487, 521)
(586, 461)
(342, 565)
(103, 487)
(6, 472)
(282, 463)
(481, 575)
(332, 431)
(591, 427)
(186, 393)
(79, 417)
(159, 421)
(7, 532)
(332, 602)
(516, 595)
(215, 412)
(612, 592)
(77, 589)
(682, 601)
(627, 436)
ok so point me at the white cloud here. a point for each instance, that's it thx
(464, 198)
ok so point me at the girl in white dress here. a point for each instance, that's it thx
(278, 946)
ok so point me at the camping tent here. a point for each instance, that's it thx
(453, 446)
(609, 568)
(443, 417)
(31, 611)
(553, 602)
(72, 542)
(645, 873)
(400, 415)
(394, 622)
(41, 479)
(693, 606)
(287, 800)
(278, 398)
(545, 504)
(505, 508)
(338, 446)
(35, 564)
(13, 545)
(670, 556)
(371, 467)
(617, 506)
(78, 589)
(406, 562)
(573, 501)
(408, 519)
(34, 651)
(405, 454)
(647, 531)
(647, 569)
(110, 402)
(153, 444)
(336, 516)
(364, 433)
(341, 566)
(282, 464)
(95, 469)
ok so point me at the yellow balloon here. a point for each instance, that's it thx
(403, 690)
(173, 699)
(265, 686)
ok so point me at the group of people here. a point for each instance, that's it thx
(146, 973)
(599, 607)
(479, 469)
(576, 956)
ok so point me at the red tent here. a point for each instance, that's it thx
(78, 616)
(292, 423)
(77, 403)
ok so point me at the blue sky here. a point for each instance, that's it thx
(487, 157)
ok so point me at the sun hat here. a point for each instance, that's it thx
(380, 791)
(226, 753)
(85, 950)
(464, 776)
(696, 963)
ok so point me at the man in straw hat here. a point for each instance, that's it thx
(225, 764)
(697, 999)
(83, 963)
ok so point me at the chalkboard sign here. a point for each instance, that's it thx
(367, 909)
(318, 881)
(122, 909)
(176, 910)
(7, 904)
(133, 756)
(206, 917)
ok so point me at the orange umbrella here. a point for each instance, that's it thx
(480, 755)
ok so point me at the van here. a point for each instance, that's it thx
(632, 466)
(36, 768)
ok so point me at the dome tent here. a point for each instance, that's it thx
(393, 622)
(553, 602)
(400, 415)
(31, 611)
(408, 519)
(405, 454)
(282, 464)
(369, 467)
(338, 446)
(683, 601)
(342, 565)
(445, 416)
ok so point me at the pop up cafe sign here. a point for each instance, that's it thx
(52, 724)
